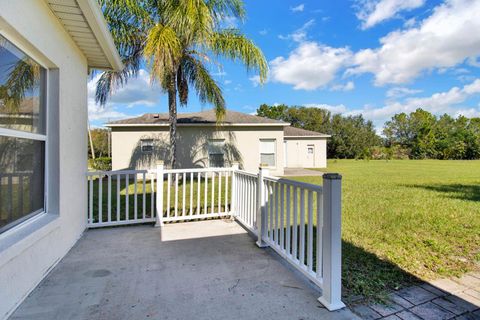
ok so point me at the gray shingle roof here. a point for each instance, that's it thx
(203, 117)
(297, 132)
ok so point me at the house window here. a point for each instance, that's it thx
(216, 153)
(22, 136)
(267, 152)
(147, 145)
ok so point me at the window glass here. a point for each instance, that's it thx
(216, 153)
(267, 152)
(21, 179)
(22, 154)
(22, 88)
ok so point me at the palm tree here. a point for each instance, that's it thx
(178, 40)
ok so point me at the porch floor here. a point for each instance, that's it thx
(196, 270)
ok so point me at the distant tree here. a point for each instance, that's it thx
(100, 142)
(277, 112)
(352, 137)
(428, 136)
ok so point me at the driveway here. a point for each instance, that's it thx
(300, 172)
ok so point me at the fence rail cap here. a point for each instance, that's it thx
(332, 176)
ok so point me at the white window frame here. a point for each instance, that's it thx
(210, 153)
(12, 133)
(274, 140)
(150, 144)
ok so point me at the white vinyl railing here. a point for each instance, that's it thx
(246, 199)
(299, 221)
(193, 194)
(120, 197)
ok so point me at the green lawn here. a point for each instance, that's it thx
(406, 219)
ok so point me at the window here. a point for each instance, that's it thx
(267, 152)
(216, 153)
(310, 149)
(22, 136)
(146, 145)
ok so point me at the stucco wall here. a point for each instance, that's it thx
(28, 251)
(242, 143)
(296, 152)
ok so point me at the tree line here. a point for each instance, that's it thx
(417, 135)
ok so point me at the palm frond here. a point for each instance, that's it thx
(220, 9)
(207, 89)
(191, 19)
(233, 45)
(162, 51)
(109, 81)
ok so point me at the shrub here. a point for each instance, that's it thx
(102, 164)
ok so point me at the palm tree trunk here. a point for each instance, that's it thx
(92, 150)
(172, 119)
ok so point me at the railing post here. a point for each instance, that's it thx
(332, 242)
(233, 204)
(261, 202)
(159, 197)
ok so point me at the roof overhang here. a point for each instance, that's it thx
(84, 22)
(130, 125)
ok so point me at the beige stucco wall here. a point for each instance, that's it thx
(28, 251)
(242, 144)
(296, 152)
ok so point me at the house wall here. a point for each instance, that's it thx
(296, 152)
(242, 144)
(30, 250)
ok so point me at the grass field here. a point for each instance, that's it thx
(404, 220)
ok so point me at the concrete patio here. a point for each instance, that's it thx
(196, 270)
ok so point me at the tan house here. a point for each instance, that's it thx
(137, 143)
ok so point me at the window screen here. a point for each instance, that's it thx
(267, 152)
(216, 153)
(147, 145)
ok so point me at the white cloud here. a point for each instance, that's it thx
(443, 40)
(310, 66)
(438, 103)
(106, 113)
(399, 92)
(219, 73)
(227, 82)
(349, 86)
(256, 80)
(298, 8)
(263, 32)
(300, 34)
(138, 91)
(340, 108)
(372, 12)
(410, 23)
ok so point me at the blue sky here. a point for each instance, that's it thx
(375, 57)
